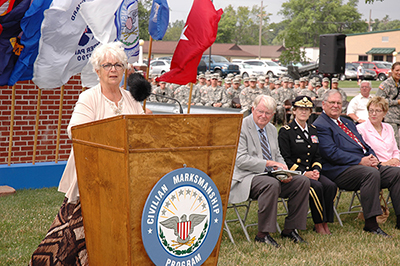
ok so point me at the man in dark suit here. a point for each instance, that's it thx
(258, 153)
(349, 162)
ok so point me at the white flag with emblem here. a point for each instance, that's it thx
(65, 45)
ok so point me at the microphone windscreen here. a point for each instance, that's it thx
(139, 87)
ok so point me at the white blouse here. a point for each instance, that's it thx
(92, 105)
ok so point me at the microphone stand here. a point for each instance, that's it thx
(175, 100)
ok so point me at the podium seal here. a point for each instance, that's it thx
(182, 218)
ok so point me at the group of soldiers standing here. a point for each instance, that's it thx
(235, 92)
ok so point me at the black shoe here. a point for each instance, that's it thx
(267, 240)
(378, 231)
(294, 236)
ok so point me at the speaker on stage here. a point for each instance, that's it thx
(332, 53)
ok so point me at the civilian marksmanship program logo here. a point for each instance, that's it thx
(182, 218)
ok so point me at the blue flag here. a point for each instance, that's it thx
(159, 19)
(30, 24)
(10, 47)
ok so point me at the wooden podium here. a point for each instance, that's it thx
(120, 159)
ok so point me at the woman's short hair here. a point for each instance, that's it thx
(268, 101)
(395, 64)
(106, 51)
(379, 101)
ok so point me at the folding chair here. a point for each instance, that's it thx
(351, 205)
(242, 219)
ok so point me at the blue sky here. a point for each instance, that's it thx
(181, 8)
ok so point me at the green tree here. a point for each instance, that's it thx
(144, 9)
(306, 20)
(385, 24)
(174, 31)
(226, 26)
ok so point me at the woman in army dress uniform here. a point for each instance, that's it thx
(298, 143)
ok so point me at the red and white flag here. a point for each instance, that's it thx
(199, 33)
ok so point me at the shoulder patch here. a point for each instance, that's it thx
(312, 125)
(287, 127)
(381, 87)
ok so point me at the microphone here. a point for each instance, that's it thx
(169, 98)
(140, 89)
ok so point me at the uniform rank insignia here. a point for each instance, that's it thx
(314, 139)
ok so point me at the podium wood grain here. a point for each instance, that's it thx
(120, 159)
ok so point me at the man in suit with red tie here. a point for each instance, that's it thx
(349, 162)
(258, 153)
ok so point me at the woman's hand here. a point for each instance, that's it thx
(312, 174)
(392, 162)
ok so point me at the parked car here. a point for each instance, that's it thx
(350, 72)
(159, 67)
(270, 68)
(220, 65)
(202, 67)
(381, 70)
(236, 61)
(247, 70)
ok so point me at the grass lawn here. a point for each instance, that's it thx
(26, 216)
(353, 84)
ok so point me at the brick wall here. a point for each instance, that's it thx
(26, 97)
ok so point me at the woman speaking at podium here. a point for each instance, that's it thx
(64, 243)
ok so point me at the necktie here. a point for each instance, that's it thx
(305, 132)
(266, 150)
(348, 132)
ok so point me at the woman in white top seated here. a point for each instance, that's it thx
(380, 136)
(65, 244)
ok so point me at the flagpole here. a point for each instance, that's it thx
(36, 125)
(11, 125)
(59, 121)
(125, 78)
(148, 66)
(190, 97)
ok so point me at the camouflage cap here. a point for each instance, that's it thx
(228, 81)
(261, 79)
(253, 78)
(325, 79)
(335, 80)
(236, 80)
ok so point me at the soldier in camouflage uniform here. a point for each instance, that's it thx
(227, 84)
(280, 114)
(301, 87)
(182, 94)
(198, 89)
(309, 91)
(214, 95)
(248, 94)
(324, 88)
(246, 83)
(390, 90)
(261, 86)
(162, 90)
(219, 83)
(233, 95)
(286, 96)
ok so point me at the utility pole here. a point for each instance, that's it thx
(260, 32)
